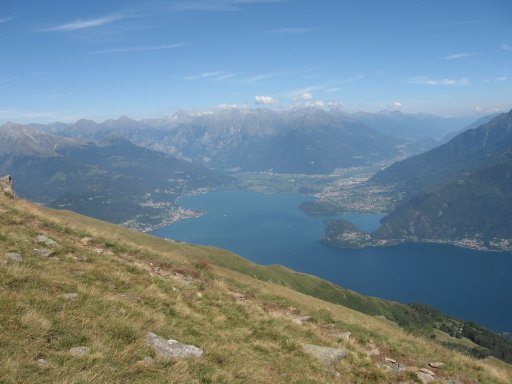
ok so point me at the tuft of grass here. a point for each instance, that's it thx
(232, 309)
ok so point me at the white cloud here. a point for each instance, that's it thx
(462, 55)
(142, 49)
(265, 100)
(397, 104)
(424, 80)
(232, 106)
(334, 104)
(501, 78)
(257, 77)
(506, 47)
(214, 76)
(303, 96)
(89, 23)
(356, 77)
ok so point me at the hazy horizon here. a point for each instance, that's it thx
(98, 60)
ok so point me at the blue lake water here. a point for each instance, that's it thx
(270, 229)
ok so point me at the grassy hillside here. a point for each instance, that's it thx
(107, 292)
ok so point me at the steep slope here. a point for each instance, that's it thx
(470, 151)
(411, 126)
(473, 211)
(77, 308)
(475, 124)
(115, 180)
(458, 193)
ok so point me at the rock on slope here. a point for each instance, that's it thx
(126, 284)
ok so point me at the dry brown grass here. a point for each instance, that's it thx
(140, 288)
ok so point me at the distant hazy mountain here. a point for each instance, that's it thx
(475, 206)
(473, 125)
(412, 127)
(306, 140)
(461, 190)
(115, 180)
(471, 150)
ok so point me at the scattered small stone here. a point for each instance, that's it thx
(171, 348)
(326, 355)
(199, 294)
(13, 256)
(79, 351)
(147, 361)
(85, 241)
(99, 251)
(174, 289)
(389, 360)
(427, 371)
(42, 362)
(70, 296)
(344, 336)
(132, 298)
(238, 296)
(43, 252)
(46, 241)
(425, 378)
(436, 365)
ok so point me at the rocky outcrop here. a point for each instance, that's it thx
(6, 186)
(326, 355)
(79, 351)
(169, 349)
(43, 239)
(13, 256)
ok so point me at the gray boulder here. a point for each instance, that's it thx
(326, 355)
(13, 256)
(43, 252)
(171, 348)
(43, 239)
(79, 351)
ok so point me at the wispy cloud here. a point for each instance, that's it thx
(141, 49)
(265, 100)
(256, 78)
(462, 55)
(213, 76)
(506, 47)
(87, 23)
(424, 80)
(357, 77)
(298, 94)
(217, 5)
(5, 20)
(334, 89)
(501, 78)
(289, 31)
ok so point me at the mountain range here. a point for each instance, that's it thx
(301, 140)
(113, 180)
(459, 192)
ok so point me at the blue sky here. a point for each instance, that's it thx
(64, 60)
